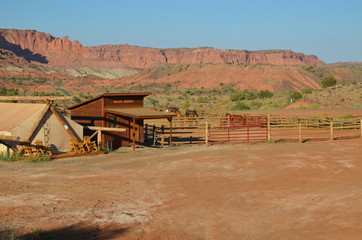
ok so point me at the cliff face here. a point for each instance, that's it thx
(42, 47)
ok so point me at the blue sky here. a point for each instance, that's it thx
(331, 29)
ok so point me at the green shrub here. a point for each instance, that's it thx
(328, 81)
(306, 91)
(239, 96)
(295, 96)
(250, 95)
(240, 106)
(265, 94)
(255, 104)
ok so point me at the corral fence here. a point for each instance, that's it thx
(154, 135)
(210, 130)
(238, 129)
(312, 128)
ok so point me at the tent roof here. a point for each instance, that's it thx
(140, 113)
(14, 114)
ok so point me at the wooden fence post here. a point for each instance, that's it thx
(146, 132)
(360, 125)
(300, 132)
(207, 134)
(154, 135)
(247, 132)
(269, 130)
(331, 127)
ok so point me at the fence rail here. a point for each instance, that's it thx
(241, 134)
(194, 129)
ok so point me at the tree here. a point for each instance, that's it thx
(328, 81)
(295, 96)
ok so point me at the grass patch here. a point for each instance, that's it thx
(7, 233)
(16, 156)
(344, 116)
(38, 159)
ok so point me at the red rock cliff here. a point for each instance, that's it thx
(63, 52)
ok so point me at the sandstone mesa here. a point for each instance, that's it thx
(64, 52)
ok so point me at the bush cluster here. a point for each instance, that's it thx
(250, 95)
(328, 81)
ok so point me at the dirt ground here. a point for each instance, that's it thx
(244, 191)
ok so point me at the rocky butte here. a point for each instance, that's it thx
(62, 52)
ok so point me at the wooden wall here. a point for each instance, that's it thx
(90, 114)
(93, 114)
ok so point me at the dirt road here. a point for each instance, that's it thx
(244, 191)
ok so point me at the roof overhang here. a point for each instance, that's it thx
(140, 113)
(142, 94)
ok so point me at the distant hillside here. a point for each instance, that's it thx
(258, 77)
(341, 95)
(347, 64)
(44, 48)
(27, 56)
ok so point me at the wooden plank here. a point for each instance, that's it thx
(10, 138)
(107, 129)
(35, 98)
(65, 124)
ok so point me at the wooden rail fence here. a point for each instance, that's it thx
(273, 128)
(241, 134)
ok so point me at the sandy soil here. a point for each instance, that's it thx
(244, 191)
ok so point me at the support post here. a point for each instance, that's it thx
(300, 132)
(207, 134)
(146, 133)
(331, 127)
(99, 138)
(360, 125)
(134, 135)
(269, 129)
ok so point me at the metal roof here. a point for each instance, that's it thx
(141, 113)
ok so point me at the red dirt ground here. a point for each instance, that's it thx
(243, 191)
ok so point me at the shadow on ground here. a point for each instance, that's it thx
(76, 232)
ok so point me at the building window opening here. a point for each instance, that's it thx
(113, 121)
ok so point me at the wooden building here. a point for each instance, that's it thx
(117, 110)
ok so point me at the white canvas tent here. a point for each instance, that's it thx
(28, 122)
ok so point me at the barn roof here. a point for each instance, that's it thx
(145, 94)
(14, 114)
(141, 113)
